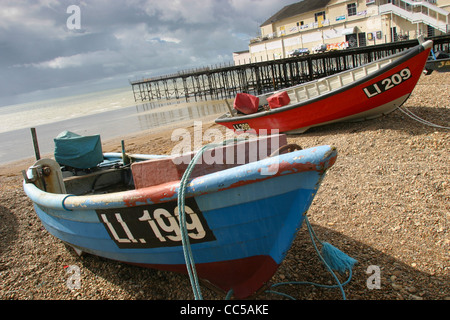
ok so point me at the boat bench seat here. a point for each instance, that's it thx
(158, 171)
(97, 180)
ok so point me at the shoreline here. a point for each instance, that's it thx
(385, 203)
(111, 124)
(131, 140)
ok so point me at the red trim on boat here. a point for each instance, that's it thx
(336, 105)
(244, 276)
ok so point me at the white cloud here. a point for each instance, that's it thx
(192, 11)
(150, 37)
(163, 40)
(169, 39)
(42, 19)
(26, 17)
(78, 60)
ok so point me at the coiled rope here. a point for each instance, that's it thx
(417, 118)
(332, 258)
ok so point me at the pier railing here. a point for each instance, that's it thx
(256, 78)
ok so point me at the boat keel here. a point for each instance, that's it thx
(243, 276)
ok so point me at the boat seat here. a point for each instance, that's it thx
(158, 171)
(98, 180)
(154, 172)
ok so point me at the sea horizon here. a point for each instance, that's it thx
(110, 113)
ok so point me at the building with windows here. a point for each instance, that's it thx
(319, 25)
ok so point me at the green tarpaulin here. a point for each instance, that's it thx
(81, 152)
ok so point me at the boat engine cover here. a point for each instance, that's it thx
(246, 103)
(76, 151)
(278, 100)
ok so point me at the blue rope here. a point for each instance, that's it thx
(188, 256)
(342, 262)
(229, 294)
(346, 263)
(432, 53)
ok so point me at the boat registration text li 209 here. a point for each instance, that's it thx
(387, 83)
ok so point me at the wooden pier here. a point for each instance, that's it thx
(257, 78)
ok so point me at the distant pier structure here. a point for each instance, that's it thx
(214, 83)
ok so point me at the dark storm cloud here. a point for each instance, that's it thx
(119, 40)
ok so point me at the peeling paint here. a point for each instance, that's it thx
(253, 221)
(270, 168)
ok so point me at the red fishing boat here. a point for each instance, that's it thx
(365, 92)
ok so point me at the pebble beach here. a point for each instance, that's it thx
(385, 203)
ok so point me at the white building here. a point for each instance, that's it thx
(339, 24)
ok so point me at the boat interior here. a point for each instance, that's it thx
(121, 172)
(306, 91)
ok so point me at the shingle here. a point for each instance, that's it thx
(296, 9)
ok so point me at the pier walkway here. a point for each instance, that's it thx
(257, 78)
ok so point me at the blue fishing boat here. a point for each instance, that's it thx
(439, 61)
(242, 205)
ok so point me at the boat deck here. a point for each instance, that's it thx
(335, 82)
(307, 91)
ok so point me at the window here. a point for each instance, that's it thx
(318, 15)
(351, 9)
(362, 39)
(430, 31)
(394, 35)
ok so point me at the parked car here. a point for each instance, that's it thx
(299, 52)
(320, 48)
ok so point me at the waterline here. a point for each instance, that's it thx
(17, 144)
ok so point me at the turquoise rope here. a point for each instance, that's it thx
(188, 256)
(338, 285)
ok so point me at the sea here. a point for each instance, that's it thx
(110, 113)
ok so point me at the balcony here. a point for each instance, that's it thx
(418, 12)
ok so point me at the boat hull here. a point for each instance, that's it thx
(240, 223)
(440, 65)
(375, 95)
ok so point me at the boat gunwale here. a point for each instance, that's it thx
(404, 56)
(290, 163)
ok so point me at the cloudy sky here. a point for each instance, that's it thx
(98, 44)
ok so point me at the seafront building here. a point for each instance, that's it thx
(319, 25)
